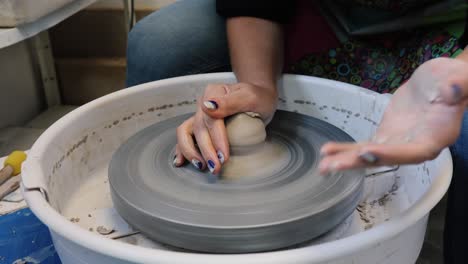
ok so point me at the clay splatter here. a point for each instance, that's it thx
(104, 231)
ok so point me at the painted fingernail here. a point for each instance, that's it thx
(197, 164)
(210, 104)
(369, 157)
(174, 162)
(456, 93)
(220, 156)
(211, 166)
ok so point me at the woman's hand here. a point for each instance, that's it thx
(202, 139)
(423, 117)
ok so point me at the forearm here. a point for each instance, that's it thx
(256, 50)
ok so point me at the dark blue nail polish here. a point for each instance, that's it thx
(197, 164)
(211, 165)
(456, 92)
(369, 157)
(174, 160)
(214, 103)
(220, 156)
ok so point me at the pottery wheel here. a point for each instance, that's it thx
(183, 207)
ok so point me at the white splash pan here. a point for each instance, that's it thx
(16, 12)
(69, 163)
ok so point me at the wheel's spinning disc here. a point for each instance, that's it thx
(180, 207)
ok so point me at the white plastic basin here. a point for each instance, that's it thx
(69, 163)
(17, 12)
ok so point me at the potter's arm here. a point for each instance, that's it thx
(407, 135)
(442, 118)
(255, 36)
(256, 48)
(256, 52)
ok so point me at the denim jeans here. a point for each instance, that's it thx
(188, 37)
(456, 224)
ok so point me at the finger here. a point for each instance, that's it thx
(451, 75)
(218, 134)
(340, 161)
(452, 93)
(457, 83)
(178, 157)
(186, 145)
(206, 147)
(458, 93)
(331, 148)
(377, 154)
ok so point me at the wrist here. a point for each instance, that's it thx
(263, 87)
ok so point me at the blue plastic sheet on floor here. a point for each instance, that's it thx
(25, 239)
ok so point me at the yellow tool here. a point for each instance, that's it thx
(12, 167)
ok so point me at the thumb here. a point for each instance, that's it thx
(454, 88)
(410, 153)
(451, 76)
(455, 93)
(233, 102)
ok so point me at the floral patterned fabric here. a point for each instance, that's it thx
(381, 65)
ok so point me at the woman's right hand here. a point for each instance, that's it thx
(202, 139)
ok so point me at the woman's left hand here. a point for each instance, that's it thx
(423, 117)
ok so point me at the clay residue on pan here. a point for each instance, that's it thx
(282, 100)
(364, 215)
(367, 209)
(301, 101)
(104, 230)
(115, 122)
